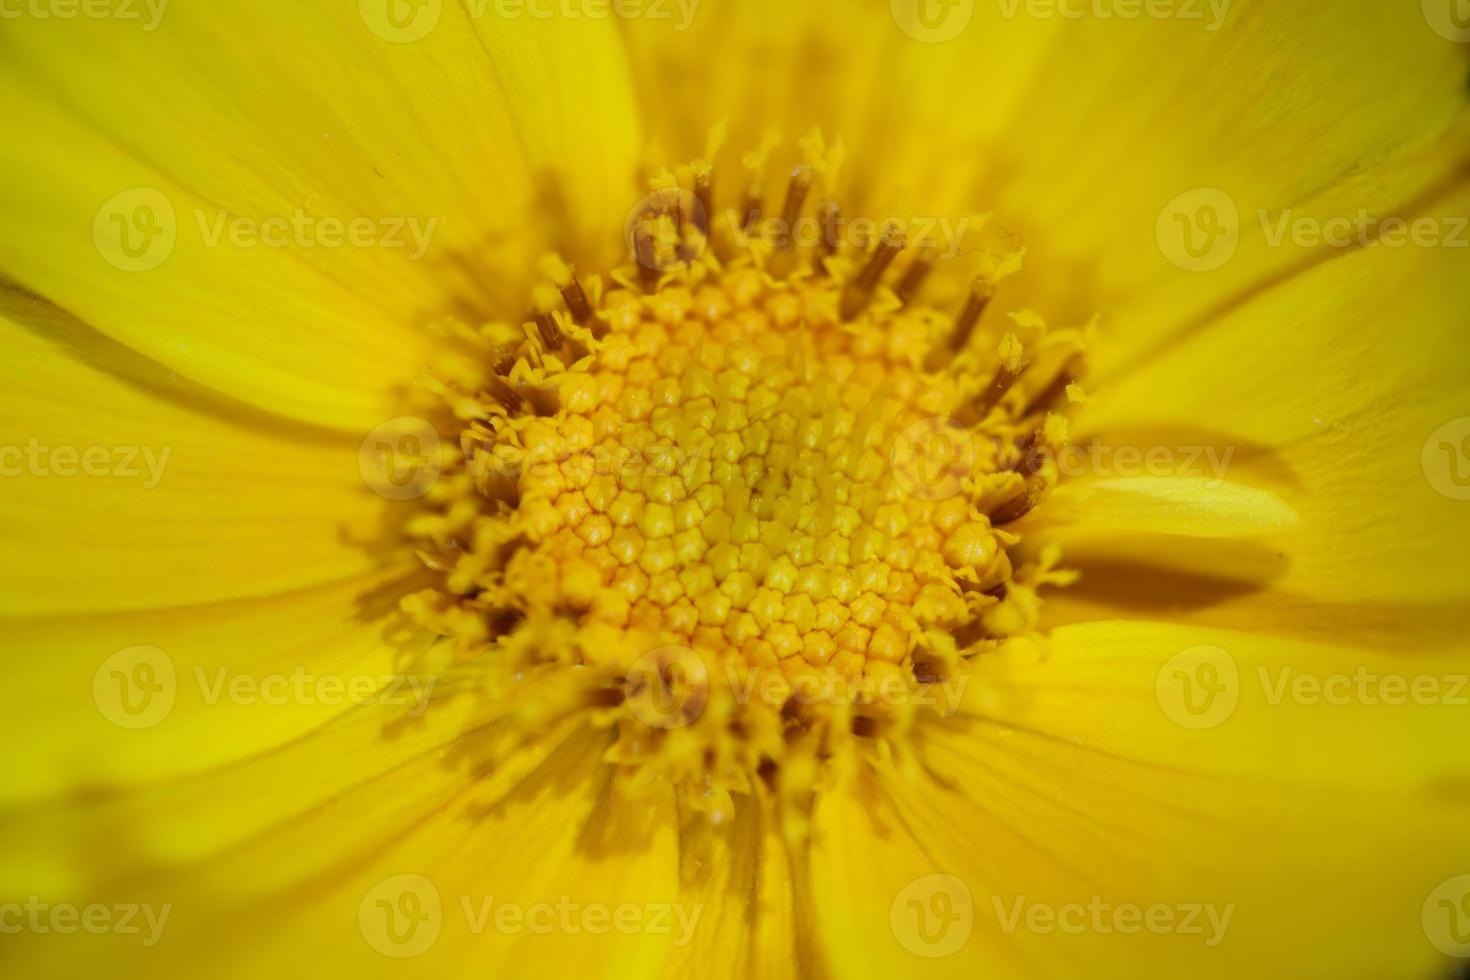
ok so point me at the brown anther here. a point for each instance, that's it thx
(1053, 394)
(1017, 507)
(829, 219)
(704, 196)
(502, 392)
(859, 291)
(1005, 377)
(576, 300)
(964, 324)
(913, 278)
(1030, 454)
(796, 192)
(752, 206)
(551, 336)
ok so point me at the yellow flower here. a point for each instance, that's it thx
(643, 488)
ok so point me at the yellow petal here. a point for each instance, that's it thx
(1084, 785)
(1341, 391)
(465, 154)
(129, 488)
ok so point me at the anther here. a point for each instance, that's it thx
(913, 278)
(859, 291)
(1012, 363)
(980, 293)
(502, 392)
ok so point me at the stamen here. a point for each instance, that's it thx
(859, 292)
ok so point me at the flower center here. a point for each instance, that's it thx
(748, 501)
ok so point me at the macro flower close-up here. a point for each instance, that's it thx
(726, 488)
